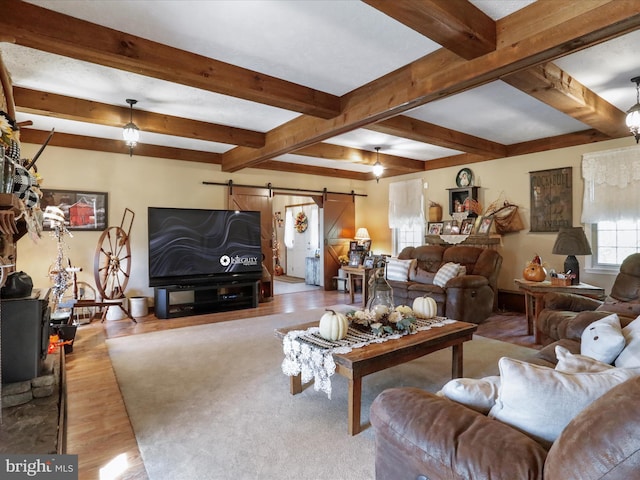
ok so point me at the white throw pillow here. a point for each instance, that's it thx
(479, 394)
(541, 401)
(603, 339)
(571, 363)
(399, 269)
(445, 273)
(630, 355)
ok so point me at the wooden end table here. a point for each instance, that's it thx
(534, 293)
(353, 273)
(380, 356)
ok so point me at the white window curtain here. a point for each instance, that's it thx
(313, 227)
(406, 204)
(288, 229)
(611, 185)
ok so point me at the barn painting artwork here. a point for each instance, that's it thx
(551, 199)
(82, 210)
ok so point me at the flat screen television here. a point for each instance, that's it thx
(190, 246)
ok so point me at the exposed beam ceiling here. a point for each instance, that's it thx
(476, 50)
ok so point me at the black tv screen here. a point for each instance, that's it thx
(189, 246)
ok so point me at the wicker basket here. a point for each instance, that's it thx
(560, 282)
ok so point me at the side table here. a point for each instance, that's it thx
(534, 293)
(353, 273)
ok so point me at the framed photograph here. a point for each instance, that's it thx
(485, 225)
(446, 227)
(435, 228)
(82, 210)
(354, 258)
(367, 245)
(467, 226)
(368, 262)
(353, 245)
(551, 199)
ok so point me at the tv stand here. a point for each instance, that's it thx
(182, 300)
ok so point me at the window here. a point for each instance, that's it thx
(404, 236)
(612, 242)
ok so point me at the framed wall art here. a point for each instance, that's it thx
(551, 199)
(83, 210)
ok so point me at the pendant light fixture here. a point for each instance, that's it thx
(633, 114)
(131, 132)
(377, 167)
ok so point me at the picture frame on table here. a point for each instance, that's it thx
(353, 246)
(368, 262)
(354, 259)
(467, 226)
(446, 227)
(435, 228)
(367, 245)
(485, 225)
(83, 210)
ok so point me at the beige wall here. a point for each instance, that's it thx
(139, 182)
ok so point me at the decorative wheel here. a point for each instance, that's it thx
(112, 263)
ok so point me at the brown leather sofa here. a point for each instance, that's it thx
(565, 316)
(468, 298)
(423, 436)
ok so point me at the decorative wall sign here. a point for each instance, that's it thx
(82, 210)
(551, 199)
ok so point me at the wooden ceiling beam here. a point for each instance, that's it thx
(68, 108)
(67, 140)
(458, 26)
(443, 74)
(330, 151)
(551, 85)
(50, 31)
(420, 131)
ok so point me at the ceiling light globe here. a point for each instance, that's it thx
(131, 134)
(378, 169)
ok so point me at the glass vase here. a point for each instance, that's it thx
(381, 298)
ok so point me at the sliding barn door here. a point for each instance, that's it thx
(256, 199)
(339, 213)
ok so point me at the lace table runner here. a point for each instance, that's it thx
(309, 355)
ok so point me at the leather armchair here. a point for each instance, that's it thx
(565, 316)
(422, 436)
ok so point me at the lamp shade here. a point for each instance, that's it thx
(362, 234)
(571, 241)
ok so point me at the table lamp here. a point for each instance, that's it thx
(362, 234)
(572, 241)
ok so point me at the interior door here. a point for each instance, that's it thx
(256, 199)
(339, 220)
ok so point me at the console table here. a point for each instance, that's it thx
(534, 293)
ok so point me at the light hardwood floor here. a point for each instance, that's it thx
(99, 431)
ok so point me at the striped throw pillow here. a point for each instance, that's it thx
(399, 269)
(445, 273)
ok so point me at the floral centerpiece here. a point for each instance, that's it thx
(343, 259)
(382, 321)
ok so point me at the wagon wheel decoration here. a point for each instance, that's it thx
(112, 261)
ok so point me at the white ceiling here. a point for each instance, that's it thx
(332, 46)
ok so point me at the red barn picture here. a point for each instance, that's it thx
(81, 214)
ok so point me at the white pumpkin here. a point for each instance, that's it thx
(425, 307)
(333, 325)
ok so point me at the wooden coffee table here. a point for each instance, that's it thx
(380, 356)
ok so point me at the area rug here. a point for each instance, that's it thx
(211, 402)
(288, 279)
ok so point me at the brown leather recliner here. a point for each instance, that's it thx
(422, 436)
(565, 316)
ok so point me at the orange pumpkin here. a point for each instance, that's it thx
(534, 272)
